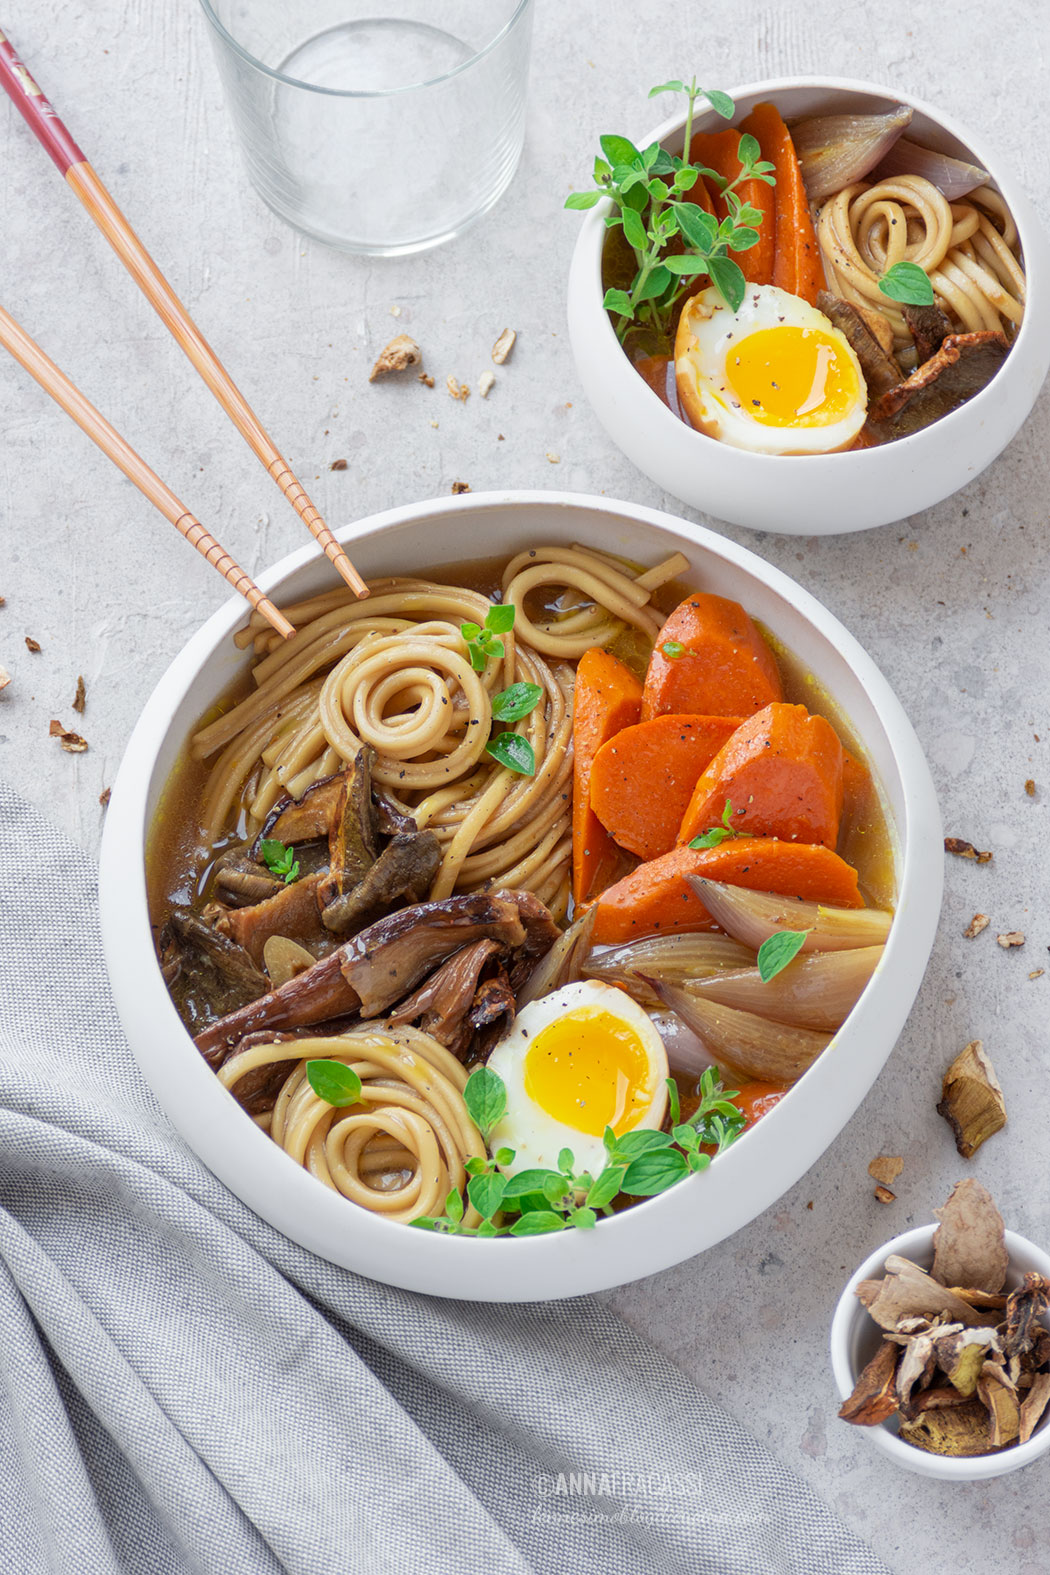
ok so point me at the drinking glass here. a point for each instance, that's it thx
(377, 128)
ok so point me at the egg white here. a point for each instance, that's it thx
(536, 1136)
(710, 333)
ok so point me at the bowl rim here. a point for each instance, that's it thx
(917, 1244)
(449, 1265)
(588, 250)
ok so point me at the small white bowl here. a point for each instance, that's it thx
(855, 1337)
(818, 494)
(687, 1218)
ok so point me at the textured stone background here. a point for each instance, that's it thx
(951, 603)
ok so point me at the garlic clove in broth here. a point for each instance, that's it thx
(836, 150)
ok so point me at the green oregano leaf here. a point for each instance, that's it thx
(654, 1172)
(537, 1223)
(454, 1206)
(486, 1192)
(485, 1096)
(514, 752)
(510, 705)
(583, 199)
(776, 951)
(728, 277)
(333, 1082)
(908, 283)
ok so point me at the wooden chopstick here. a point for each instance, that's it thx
(69, 159)
(55, 382)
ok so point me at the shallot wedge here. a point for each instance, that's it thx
(953, 178)
(742, 1044)
(676, 959)
(836, 150)
(753, 916)
(818, 991)
(562, 962)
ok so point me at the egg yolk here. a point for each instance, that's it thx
(791, 377)
(589, 1070)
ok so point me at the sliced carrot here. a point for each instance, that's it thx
(657, 897)
(797, 267)
(856, 779)
(725, 668)
(718, 151)
(642, 780)
(782, 773)
(608, 698)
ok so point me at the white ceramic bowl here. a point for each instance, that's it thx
(820, 494)
(653, 1234)
(855, 1338)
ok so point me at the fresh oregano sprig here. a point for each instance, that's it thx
(279, 859)
(720, 833)
(483, 639)
(648, 189)
(777, 950)
(640, 1163)
(908, 283)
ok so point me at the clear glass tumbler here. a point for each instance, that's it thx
(378, 128)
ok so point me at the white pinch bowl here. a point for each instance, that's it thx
(814, 494)
(855, 1337)
(653, 1234)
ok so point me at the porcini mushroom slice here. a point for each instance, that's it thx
(753, 916)
(971, 1099)
(999, 1396)
(907, 1291)
(817, 992)
(958, 1431)
(962, 1353)
(969, 1245)
(742, 1043)
(1033, 1405)
(874, 1396)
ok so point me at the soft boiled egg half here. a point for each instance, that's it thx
(774, 377)
(574, 1062)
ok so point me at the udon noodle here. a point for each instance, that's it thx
(402, 1147)
(394, 672)
(968, 249)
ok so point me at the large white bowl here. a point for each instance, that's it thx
(818, 494)
(653, 1234)
(855, 1338)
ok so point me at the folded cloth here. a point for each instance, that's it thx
(182, 1389)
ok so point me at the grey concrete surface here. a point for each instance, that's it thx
(952, 603)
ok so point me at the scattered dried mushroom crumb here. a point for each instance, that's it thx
(979, 922)
(960, 1384)
(965, 850)
(80, 698)
(5, 677)
(503, 346)
(553, 459)
(401, 353)
(971, 1099)
(338, 464)
(425, 377)
(104, 797)
(884, 1195)
(1029, 786)
(71, 742)
(458, 390)
(886, 1168)
(460, 486)
(485, 383)
(1010, 938)
(1037, 973)
(31, 644)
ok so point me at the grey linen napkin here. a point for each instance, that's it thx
(182, 1389)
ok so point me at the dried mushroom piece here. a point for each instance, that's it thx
(1033, 1405)
(979, 922)
(908, 1291)
(71, 742)
(874, 1396)
(80, 698)
(969, 1244)
(881, 371)
(965, 850)
(503, 346)
(1011, 938)
(999, 1397)
(962, 1353)
(959, 369)
(958, 1431)
(884, 1194)
(5, 677)
(886, 1168)
(971, 1099)
(1024, 1311)
(401, 353)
